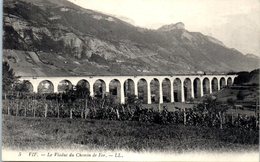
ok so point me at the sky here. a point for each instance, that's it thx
(234, 22)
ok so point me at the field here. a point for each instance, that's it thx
(173, 106)
(56, 133)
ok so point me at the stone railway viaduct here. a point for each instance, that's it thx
(188, 86)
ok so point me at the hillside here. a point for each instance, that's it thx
(56, 37)
(245, 90)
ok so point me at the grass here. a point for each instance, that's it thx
(52, 133)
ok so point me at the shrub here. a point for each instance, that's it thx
(240, 95)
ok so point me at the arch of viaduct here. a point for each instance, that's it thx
(197, 82)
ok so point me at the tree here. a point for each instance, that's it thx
(243, 77)
(9, 78)
(240, 95)
(212, 111)
(82, 91)
(132, 99)
(231, 101)
(22, 86)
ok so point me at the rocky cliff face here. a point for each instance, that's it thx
(56, 37)
(171, 27)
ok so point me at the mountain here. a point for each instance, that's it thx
(57, 38)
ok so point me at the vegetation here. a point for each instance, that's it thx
(103, 123)
(247, 77)
(74, 104)
(22, 86)
(9, 78)
(11, 82)
(87, 134)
